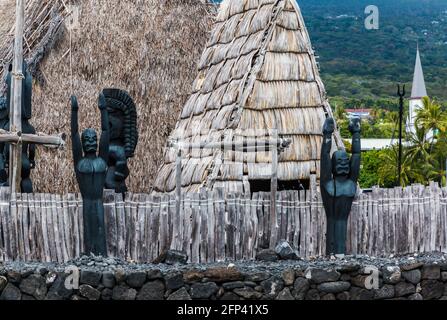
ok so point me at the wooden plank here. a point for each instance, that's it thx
(74, 211)
(444, 220)
(321, 218)
(178, 181)
(13, 228)
(121, 226)
(309, 228)
(238, 227)
(4, 213)
(370, 225)
(435, 217)
(348, 230)
(39, 251)
(163, 227)
(273, 198)
(20, 229)
(176, 225)
(187, 225)
(54, 228)
(60, 221)
(247, 226)
(381, 212)
(110, 222)
(67, 227)
(267, 219)
(404, 244)
(258, 201)
(80, 217)
(313, 215)
(211, 221)
(390, 221)
(230, 227)
(375, 221)
(154, 225)
(195, 228)
(290, 217)
(280, 214)
(61, 231)
(46, 207)
(419, 218)
(297, 225)
(134, 234)
(252, 204)
(204, 214)
(129, 226)
(366, 224)
(355, 216)
(220, 221)
(44, 222)
(142, 249)
(411, 213)
(33, 244)
(427, 220)
(303, 222)
(147, 236)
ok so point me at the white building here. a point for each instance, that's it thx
(417, 93)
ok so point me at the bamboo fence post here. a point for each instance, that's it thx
(273, 191)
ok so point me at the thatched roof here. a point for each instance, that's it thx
(258, 71)
(149, 48)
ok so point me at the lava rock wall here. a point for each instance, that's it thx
(280, 281)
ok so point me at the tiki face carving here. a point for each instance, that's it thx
(116, 123)
(341, 163)
(89, 141)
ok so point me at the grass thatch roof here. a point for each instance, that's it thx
(149, 48)
(258, 71)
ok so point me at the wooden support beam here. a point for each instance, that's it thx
(40, 138)
(15, 114)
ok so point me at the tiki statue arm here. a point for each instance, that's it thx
(75, 138)
(355, 129)
(326, 163)
(105, 135)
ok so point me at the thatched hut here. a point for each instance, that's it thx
(149, 48)
(258, 73)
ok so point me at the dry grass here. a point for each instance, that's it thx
(150, 48)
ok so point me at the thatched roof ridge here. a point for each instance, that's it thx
(257, 73)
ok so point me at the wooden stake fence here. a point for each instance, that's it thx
(214, 226)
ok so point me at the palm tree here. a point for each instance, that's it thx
(389, 159)
(431, 116)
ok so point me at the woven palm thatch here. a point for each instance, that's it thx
(149, 48)
(257, 73)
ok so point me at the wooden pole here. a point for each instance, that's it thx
(273, 191)
(178, 181)
(15, 161)
(12, 137)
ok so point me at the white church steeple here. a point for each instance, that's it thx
(418, 91)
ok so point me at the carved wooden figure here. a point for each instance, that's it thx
(339, 176)
(91, 170)
(123, 137)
